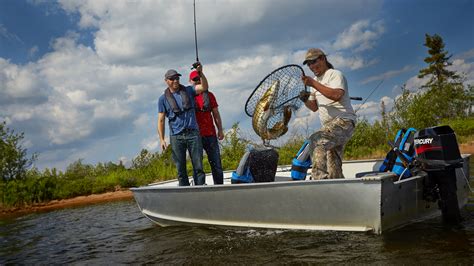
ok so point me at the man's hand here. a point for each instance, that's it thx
(304, 95)
(164, 145)
(308, 81)
(220, 135)
(198, 67)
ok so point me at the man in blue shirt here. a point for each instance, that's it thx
(177, 104)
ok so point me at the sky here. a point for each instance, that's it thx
(81, 79)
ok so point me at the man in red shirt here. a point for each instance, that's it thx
(207, 113)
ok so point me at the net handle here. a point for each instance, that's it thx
(253, 92)
(287, 101)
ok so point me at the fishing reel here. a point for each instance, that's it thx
(196, 64)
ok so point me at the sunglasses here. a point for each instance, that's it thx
(196, 79)
(310, 62)
(174, 78)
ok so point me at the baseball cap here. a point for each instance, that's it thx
(312, 54)
(171, 73)
(194, 74)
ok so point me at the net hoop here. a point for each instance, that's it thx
(291, 93)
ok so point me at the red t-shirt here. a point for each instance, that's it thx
(204, 119)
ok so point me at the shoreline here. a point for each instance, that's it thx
(68, 203)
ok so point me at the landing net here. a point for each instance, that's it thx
(286, 97)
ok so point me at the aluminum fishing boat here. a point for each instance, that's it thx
(376, 202)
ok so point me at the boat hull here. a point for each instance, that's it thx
(374, 203)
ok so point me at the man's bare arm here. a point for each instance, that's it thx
(161, 130)
(217, 120)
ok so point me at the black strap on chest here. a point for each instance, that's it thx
(206, 107)
(172, 101)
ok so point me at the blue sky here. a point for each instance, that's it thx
(81, 78)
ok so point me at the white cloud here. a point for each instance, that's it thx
(368, 108)
(140, 92)
(353, 63)
(361, 36)
(99, 102)
(147, 32)
(65, 124)
(19, 82)
(78, 97)
(466, 69)
(389, 102)
(22, 115)
(372, 110)
(151, 144)
(143, 120)
(305, 121)
(414, 83)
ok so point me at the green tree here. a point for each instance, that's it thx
(443, 97)
(78, 170)
(233, 148)
(142, 160)
(14, 162)
(438, 62)
(385, 118)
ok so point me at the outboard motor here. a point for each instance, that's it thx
(438, 155)
(257, 165)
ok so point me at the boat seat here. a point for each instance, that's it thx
(396, 161)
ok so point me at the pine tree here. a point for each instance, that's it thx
(446, 96)
(438, 62)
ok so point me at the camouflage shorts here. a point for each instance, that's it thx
(328, 147)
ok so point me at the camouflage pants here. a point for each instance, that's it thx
(328, 147)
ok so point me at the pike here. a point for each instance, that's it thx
(263, 112)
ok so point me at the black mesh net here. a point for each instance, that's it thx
(279, 101)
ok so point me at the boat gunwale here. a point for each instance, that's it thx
(160, 187)
(372, 178)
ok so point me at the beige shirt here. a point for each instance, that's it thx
(329, 109)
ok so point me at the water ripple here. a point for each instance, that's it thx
(117, 233)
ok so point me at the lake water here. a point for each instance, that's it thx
(117, 233)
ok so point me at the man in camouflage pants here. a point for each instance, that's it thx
(330, 95)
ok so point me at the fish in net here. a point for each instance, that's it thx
(274, 100)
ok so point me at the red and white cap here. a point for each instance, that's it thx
(194, 74)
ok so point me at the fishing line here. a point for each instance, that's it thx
(373, 90)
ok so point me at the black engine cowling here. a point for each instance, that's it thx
(437, 153)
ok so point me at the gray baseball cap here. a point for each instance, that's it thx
(171, 73)
(312, 54)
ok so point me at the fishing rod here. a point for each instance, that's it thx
(195, 36)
